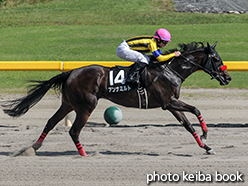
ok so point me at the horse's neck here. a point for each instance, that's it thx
(184, 67)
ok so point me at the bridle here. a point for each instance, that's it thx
(208, 66)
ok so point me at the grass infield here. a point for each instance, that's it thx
(57, 30)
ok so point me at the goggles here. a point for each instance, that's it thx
(164, 42)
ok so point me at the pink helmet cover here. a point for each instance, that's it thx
(163, 34)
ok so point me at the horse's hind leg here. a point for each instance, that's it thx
(79, 123)
(52, 122)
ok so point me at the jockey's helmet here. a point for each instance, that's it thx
(163, 34)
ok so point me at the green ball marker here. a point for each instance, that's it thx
(113, 115)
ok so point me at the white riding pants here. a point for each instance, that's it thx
(123, 51)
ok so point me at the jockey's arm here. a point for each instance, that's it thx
(157, 53)
(163, 57)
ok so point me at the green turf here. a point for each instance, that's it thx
(82, 30)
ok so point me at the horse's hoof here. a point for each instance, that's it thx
(203, 139)
(36, 146)
(210, 152)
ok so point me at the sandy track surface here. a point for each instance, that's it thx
(143, 142)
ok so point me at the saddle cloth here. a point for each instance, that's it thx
(117, 80)
(117, 83)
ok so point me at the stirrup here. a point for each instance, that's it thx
(132, 80)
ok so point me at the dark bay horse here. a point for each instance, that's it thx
(82, 88)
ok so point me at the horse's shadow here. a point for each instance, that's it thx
(52, 153)
(75, 153)
(6, 153)
(92, 153)
(218, 125)
(45, 153)
(127, 153)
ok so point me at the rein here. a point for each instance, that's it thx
(199, 66)
(207, 61)
(214, 74)
(164, 67)
(181, 77)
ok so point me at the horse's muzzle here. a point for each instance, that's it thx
(224, 78)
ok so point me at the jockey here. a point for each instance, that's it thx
(134, 50)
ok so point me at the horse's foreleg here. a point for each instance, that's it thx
(52, 122)
(203, 126)
(184, 121)
(75, 130)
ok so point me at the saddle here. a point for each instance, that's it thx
(116, 83)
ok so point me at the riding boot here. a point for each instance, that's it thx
(133, 75)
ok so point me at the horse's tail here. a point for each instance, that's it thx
(19, 107)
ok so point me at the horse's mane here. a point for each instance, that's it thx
(188, 47)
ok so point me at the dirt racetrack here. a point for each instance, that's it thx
(146, 145)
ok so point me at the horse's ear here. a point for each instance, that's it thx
(209, 47)
(214, 45)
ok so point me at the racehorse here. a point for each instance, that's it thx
(82, 88)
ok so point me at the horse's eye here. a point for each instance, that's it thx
(213, 55)
(216, 57)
